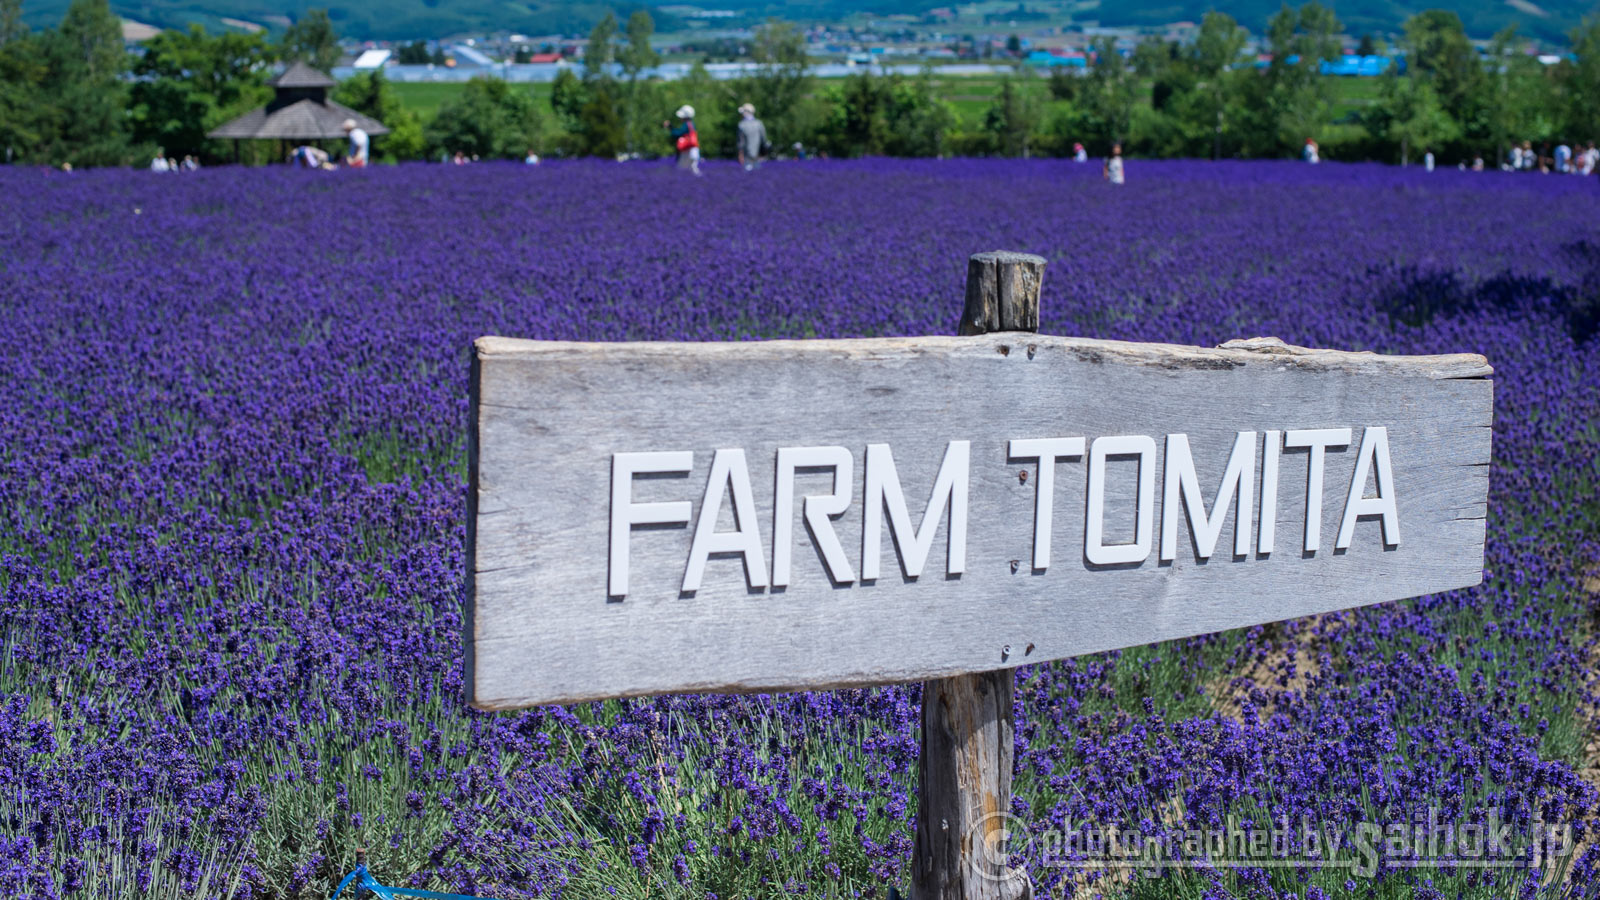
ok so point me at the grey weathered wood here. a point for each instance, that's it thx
(1002, 292)
(964, 767)
(964, 791)
(548, 416)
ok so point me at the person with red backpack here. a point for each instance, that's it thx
(686, 139)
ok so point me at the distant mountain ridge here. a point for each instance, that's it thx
(1548, 20)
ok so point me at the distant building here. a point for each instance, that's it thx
(372, 59)
(300, 111)
(470, 56)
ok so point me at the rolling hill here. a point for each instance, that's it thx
(408, 19)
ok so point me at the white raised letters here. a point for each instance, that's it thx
(1239, 478)
(1046, 451)
(625, 513)
(1318, 440)
(1094, 546)
(1374, 449)
(818, 509)
(883, 491)
(884, 503)
(727, 467)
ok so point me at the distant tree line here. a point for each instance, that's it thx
(73, 94)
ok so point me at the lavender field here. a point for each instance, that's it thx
(232, 508)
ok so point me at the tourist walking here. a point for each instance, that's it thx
(1113, 170)
(1078, 153)
(685, 139)
(356, 156)
(753, 141)
(1312, 153)
(160, 163)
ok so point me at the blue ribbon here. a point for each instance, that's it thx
(364, 882)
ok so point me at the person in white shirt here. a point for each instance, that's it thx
(1563, 158)
(1113, 171)
(356, 157)
(1427, 160)
(1312, 153)
(1079, 154)
(160, 164)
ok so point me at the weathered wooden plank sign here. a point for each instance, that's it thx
(650, 518)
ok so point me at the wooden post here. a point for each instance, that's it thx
(964, 792)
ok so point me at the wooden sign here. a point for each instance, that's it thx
(649, 518)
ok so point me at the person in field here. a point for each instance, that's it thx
(1312, 153)
(1113, 170)
(356, 156)
(685, 139)
(160, 164)
(1427, 160)
(753, 141)
(1078, 153)
(306, 156)
(532, 159)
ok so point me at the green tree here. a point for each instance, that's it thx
(1291, 100)
(312, 40)
(1063, 83)
(601, 129)
(598, 55)
(1011, 119)
(371, 94)
(634, 57)
(1217, 50)
(1439, 53)
(871, 115)
(1109, 97)
(637, 54)
(1581, 80)
(11, 25)
(567, 97)
(83, 94)
(1409, 116)
(22, 72)
(413, 54)
(188, 82)
(781, 85)
(489, 118)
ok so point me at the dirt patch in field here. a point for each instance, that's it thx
(1292, 668)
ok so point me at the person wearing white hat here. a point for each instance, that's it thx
(356, 157)
(685, 139)
(752, 138)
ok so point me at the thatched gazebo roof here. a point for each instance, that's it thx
(300, 111)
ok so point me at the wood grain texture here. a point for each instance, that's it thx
(1002, 292)
(548, 416)
(964, 791)
(961, 844)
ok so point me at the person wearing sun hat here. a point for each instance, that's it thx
(685, 139)
(356, 158)
(752, 138)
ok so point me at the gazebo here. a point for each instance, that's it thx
(300, 111)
